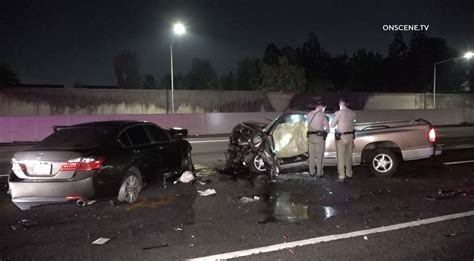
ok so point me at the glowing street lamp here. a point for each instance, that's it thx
(178, 29)
(467, 56)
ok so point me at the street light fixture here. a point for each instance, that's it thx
(178, 29)
(467, 56)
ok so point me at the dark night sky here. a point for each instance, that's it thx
(62, 41)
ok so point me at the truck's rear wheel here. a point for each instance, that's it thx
(383, 162)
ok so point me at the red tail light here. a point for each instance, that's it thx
(82, 164)
(73, 197)
(432, 135)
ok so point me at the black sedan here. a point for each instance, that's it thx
(98, 160)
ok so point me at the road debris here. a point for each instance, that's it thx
(207, 192)
(329, 212)
(249, 199)
(186, 177)
(453, 234)
(101, 241)
(155, 247)
(366, 238)
(24, 224)
(443, 194)
(178, 229)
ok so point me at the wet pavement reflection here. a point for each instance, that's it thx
(281, 206)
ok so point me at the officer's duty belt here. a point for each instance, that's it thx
(339, 134)
(318, 133)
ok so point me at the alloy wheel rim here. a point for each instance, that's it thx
(258, 163)
(131, 189)
(383, 163)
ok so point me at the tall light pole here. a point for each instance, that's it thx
(467, 56)
(178, 29)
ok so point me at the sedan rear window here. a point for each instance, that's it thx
(138, 135)
(84, 137)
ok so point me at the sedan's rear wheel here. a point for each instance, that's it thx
(130, 188)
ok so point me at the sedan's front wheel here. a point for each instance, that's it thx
(130, 188)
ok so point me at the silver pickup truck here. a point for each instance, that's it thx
(281, 145)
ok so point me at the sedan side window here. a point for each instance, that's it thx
(124, 140)
(138, 135)
(157, 134)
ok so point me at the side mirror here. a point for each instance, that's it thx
(178, 133)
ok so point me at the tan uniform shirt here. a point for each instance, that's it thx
(344, 120)
(319, 122)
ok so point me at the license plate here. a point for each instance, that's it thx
(42, 168)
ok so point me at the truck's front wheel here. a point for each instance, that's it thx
(383, 162)
(257, 165)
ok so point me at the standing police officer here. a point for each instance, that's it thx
(318, 127)
(344, 123)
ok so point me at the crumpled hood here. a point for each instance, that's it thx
(254, 125)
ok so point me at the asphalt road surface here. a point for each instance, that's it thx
(424, 213)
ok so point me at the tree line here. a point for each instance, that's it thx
(407, 66)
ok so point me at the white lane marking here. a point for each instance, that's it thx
(4, 175)
(317, 240)
(458, 162)
(207, 141)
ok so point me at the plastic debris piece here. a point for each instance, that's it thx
(24, 224)
(248, 199)
(155, 247)
(366, 238)
(178, 229)
(201, 183)
(186, 177)
(207, 192)
(101, 241)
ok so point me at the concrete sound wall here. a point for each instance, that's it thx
(59, 101)
(35, 128)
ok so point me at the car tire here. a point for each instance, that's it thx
(257, 165)
(187, 161)
(383, 162)
(130, 188)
